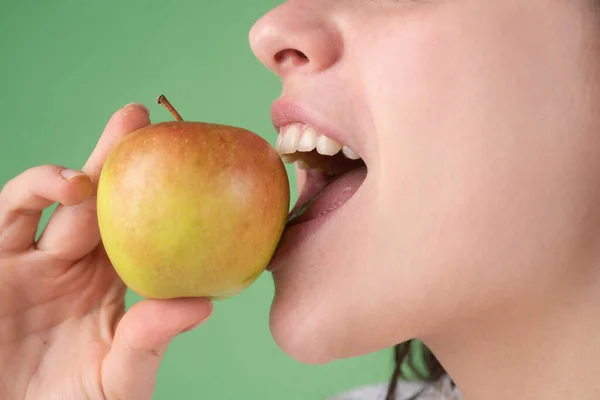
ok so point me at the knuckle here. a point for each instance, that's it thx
(26, 178)
(136, 345)
(7, 187)
(7, 195)
(17, 188)
(157, 353)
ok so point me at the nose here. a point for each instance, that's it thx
(296, 38)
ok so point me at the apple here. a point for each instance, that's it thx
(191, 209)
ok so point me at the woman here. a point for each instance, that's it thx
(475, 229)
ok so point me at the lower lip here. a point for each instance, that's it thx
(331, 198)
(292, 237)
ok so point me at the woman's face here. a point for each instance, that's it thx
(477, 123)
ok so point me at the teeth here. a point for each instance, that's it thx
(349, 153)
(303, 165)
(289, 158)
(327, 146)
(289, 143)
(308, 142)
(296, 138)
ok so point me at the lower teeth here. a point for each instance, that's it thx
(302, 164)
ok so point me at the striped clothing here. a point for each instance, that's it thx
(441, 390)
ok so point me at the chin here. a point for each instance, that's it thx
(299, 336)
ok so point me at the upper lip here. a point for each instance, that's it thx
(285, 111)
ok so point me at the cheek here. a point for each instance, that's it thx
(475, 210)
(470, 228)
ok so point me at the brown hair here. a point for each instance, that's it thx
(404, 356)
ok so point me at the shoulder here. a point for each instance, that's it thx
(441, 390)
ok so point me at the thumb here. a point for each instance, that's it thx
(142, 336)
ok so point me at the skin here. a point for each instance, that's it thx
(61, 302)
(478, 223)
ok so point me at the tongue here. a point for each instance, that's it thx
(333, 195)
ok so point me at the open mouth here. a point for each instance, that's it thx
(334, 172)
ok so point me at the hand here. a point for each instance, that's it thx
(64, 333)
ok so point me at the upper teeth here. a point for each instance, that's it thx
(299, 137)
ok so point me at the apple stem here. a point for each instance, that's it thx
(163, 100)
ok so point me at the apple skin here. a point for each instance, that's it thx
(192, 209)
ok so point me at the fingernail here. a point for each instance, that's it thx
(132, 106)
(69, 174)
(194, 326)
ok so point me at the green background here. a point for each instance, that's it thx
(67, 65)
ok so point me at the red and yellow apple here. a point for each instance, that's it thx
(191, 209)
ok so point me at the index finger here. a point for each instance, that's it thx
(126, 120)
(73, 231)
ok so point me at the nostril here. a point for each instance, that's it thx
(291, 56)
